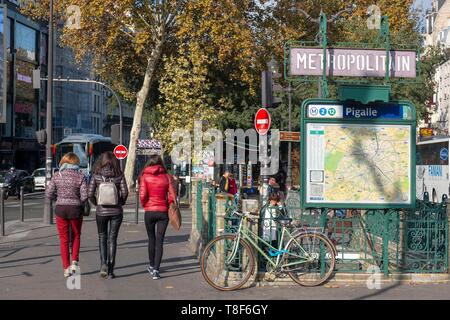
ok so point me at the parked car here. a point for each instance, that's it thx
(39, 179)
(12, 183)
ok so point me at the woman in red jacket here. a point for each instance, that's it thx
(156, 193)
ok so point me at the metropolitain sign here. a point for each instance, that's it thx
(352, 63)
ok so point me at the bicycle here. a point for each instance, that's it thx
(228, 260)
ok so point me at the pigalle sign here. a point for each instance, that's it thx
(352, 62)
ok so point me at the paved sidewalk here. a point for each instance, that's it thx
(30, 268)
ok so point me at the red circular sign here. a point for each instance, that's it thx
(120, 152)
(262, 121)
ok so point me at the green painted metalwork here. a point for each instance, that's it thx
(364, 93)
(324, 43)
(393, 240)
(425, 234)
(199, 205)
(321, 41)
(211, 213)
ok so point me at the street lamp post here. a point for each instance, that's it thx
(48, 216)
(114, 94)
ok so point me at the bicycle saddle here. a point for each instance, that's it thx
(284, 221)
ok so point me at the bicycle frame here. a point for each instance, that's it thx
(249, 236)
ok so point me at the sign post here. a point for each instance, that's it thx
(262, 126)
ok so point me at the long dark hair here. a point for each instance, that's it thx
(108, 159)
(154, 160)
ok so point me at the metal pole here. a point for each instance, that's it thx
(2, 212)
(136, 216)
(289, 168)
(22, 210)
(48, 150)
(120, 127)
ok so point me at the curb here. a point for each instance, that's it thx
(361, 278)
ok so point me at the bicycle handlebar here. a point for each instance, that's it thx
(248, 215)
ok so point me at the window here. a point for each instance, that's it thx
(25, 41)
(429, 153)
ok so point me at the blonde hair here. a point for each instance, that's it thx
(70, 158)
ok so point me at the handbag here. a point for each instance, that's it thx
(174, 211)
(86, 209)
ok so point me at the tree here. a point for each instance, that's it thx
(215, 73)
(125, 40)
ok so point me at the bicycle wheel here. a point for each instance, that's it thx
(223, 269)
(312, 259)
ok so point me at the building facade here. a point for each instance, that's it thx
(77, 107)
(25, 49)
(437, 32)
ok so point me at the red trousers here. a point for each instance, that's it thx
(64, 238)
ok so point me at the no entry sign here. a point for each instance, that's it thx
(262, 121)
(120, 152)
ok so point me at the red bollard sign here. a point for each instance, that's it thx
(120, 152)
(262, 121)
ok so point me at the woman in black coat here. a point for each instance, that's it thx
(107, 169)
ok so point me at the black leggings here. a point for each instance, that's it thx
(108, 230)
(159, 220)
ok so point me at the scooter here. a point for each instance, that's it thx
(11, 187)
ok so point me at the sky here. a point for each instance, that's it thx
(425, 3)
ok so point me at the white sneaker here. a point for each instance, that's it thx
(67, 273)
(150, 269)
(74, 267)
(156, 275)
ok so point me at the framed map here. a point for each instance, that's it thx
(359, 164)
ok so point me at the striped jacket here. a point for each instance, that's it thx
(68, 187)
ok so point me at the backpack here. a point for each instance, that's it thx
(107, 193)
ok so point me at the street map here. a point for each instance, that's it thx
(356, 163)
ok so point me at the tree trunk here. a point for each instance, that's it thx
(140, 103)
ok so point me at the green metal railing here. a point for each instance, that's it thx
(199, 205)
(211, 213)
(394, 241)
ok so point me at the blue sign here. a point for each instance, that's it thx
(323, 111)
(443, 154)
(435, 171)
(388, 111)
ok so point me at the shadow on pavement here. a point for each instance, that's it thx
(378, 292)
(26, 264)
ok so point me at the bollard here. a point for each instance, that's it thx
(2, 212)
(51, 212)
(22, 209)
(137, 203)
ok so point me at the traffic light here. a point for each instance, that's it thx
(267, 91)
(115, 134)
(41, 136)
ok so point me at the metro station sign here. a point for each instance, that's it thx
(351, 62)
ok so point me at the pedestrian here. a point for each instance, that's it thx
(156, 193)
(69, 188)
(176, 185)
(108, 192)
(224, 182)
(233, 190)
(272, 210)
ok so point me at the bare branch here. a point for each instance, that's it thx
(348, 10)
(307, 16)
(127, 33)
(152, 27)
